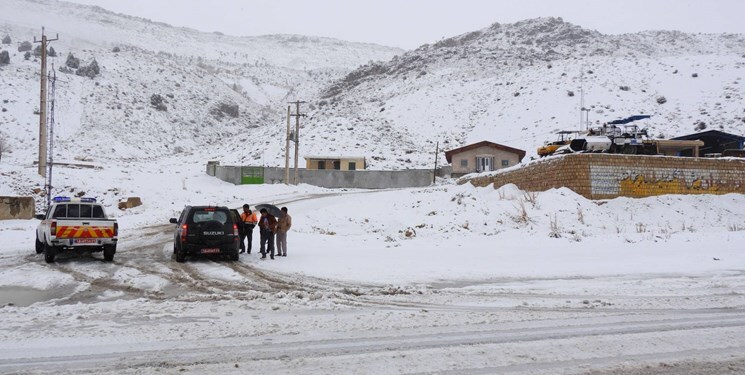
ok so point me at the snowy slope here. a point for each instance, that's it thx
(517, 83)
(193, 71)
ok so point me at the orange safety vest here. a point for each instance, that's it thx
(249, 218)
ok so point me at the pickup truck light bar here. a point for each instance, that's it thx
(68, 199)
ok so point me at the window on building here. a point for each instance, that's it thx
(505, 163)
(352, 166)
(322, 164)
(337, 164)
(464, 162)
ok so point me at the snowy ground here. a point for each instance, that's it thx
(446, 279)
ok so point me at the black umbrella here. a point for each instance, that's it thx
(272, 209)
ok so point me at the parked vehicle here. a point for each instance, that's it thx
(615, 137)
(206, 230)
(563, 138)
(76, 225)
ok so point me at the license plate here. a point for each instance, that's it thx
(210, 251)
(84, 241)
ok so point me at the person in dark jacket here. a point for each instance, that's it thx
(267, 227)
(249, 220)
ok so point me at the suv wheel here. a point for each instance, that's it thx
(49, 253)
(234, 256)
(108, 252)
(39, 246)
(180, 256)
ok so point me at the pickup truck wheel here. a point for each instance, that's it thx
(108, 252)
(39, 247)
(49, 253)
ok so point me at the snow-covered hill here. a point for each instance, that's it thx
(517, 83)
(201, 76)
(224, 98)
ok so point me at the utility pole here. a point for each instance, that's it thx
(43, 104)
(434, 173)
(287, 149)
(51, 138)
(297, 116)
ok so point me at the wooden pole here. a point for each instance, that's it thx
(287, 149)
(43, 104)
(434, 173)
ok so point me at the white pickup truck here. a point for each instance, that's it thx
(76, 224)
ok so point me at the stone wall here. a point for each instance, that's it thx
(17, 208)
(604, 176)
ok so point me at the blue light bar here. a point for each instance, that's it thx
(88, 200)
(61, 199)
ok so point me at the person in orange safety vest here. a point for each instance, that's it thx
(250, 219)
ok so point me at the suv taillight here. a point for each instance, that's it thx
(184, 230)
(53, 229)
(116, 229)
(235, 231)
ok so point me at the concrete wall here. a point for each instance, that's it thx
(312, 163)
(17, 208)
(229, 173)
(484, 151)
(361, 179)
(604, 176)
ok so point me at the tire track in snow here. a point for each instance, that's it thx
(255, 350)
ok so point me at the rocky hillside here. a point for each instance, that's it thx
(160, 90)
(517, 83)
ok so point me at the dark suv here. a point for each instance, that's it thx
(206, 230)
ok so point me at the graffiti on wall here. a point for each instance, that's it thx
(637, 182)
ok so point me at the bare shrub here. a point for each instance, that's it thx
(158, 103)
(580, 215)
(4, 147)
(554, 225)
(72, 61)
(522, 213)
(25, 46)
(90, 71)
(530, 197)
(736, 227)
(225, 109)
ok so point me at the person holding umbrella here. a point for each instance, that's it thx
(267, 227)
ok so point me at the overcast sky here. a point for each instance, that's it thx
(411, 23)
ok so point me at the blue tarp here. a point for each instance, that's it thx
(629, 119)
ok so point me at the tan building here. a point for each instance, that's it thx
(483, 156)
(339, 163)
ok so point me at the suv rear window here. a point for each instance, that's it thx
(202, 216)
